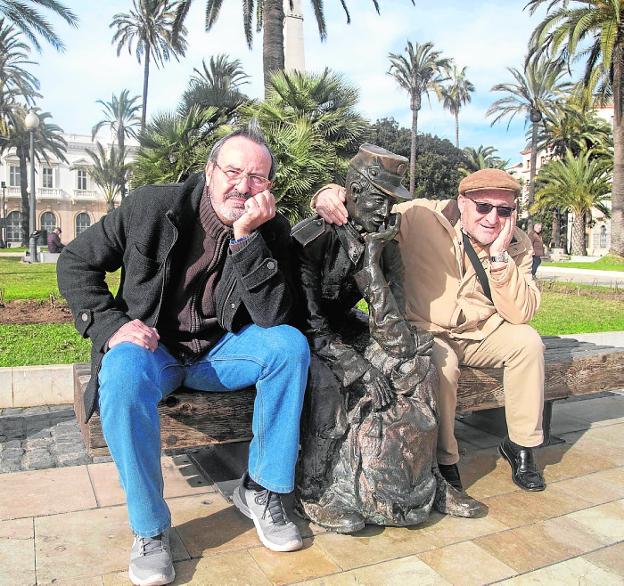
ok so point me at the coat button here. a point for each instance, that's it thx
(270, 265)
(84, 316)
(233, 305)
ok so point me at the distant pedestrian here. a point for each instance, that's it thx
(54, 240)
(535, 236)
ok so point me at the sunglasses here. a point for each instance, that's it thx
(485, 208)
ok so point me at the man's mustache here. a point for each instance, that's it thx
(237, 193)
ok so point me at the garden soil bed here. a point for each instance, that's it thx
(26, 311)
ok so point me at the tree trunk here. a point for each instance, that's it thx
(414, 104)
(273, 39)
(146, 67)
(555, 234)
(122, 155)
(617, 193)
(21, 155)
(578, 234)
(457, 130)
(532, 170)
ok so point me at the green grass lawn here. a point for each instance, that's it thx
(606, 263)
(24, 345)
(566, 309)
(20, 280)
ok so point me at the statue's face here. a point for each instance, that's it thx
(367, 206)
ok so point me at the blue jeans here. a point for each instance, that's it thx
(133, 380)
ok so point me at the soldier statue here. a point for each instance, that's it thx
(369, 426)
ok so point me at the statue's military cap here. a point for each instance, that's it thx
(383, 169)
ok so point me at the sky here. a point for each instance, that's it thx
(487, 36)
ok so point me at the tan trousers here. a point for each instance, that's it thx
(520, 351)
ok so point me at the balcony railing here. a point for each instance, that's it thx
(85, 194)
(49, 192)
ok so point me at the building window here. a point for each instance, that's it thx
(81, 179)
(604, 242)
(47, 178)
(15, 179)
(82, 222)
(48, 221)
(14, 227)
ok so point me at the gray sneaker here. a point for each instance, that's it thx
(266, 510)
(150, 561)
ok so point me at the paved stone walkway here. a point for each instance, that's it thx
(35, 438)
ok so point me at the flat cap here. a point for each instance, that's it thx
(489, 179)
(383, 169)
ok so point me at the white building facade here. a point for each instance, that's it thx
(598, 231)
(66, 195)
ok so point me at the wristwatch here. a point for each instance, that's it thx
(500, 257)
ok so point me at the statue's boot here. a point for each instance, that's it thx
(333, 514)
(450, 501)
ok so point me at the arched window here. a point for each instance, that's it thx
(47, 221)
(14, 227)
(82, 222)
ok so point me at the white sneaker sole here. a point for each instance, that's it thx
(293, 545)
(158, 580)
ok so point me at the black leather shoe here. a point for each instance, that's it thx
(450, 473)
(524, 471)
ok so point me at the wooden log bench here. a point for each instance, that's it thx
(192, 419)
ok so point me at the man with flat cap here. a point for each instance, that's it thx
(369, 429)
(468, 282)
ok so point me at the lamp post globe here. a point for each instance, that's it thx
(31, 122)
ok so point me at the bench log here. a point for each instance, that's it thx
(191, 418)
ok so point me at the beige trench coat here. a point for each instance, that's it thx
(442, 291)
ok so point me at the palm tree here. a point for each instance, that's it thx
(270, 19)
(147, 29)
(312, 126)
(570, 126)
(532, 94)
(48, 140)
(25, 16)
(121, 116)
(483, 157)
(592, 30)
(109, 172)
(15, 80)
(576, 183)
(216, 84)
(174, 145)
(456, 94)
(417, 71)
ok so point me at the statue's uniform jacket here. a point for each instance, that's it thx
(442, 292)
(328, 259)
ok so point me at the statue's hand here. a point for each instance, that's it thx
(377, 388)
(387, 232)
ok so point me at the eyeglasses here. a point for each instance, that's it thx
(485, 208)
(258, 182)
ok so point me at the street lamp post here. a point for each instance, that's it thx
(3, 211)
(31, 122)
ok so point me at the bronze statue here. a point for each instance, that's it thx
(369, 426)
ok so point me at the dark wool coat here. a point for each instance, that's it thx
(140, 236)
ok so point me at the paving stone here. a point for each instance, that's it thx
(38, 410)
(73, 459)
(37, 460)
(37, 443)
(101, 459)
(39, 433)
(11, 411)
(13, 466)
